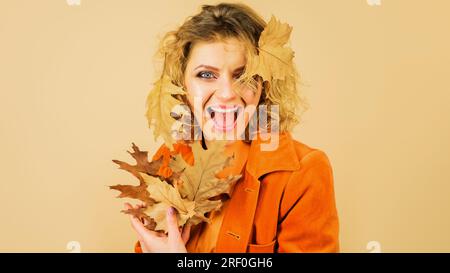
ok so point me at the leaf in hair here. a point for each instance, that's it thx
(160, 102)
(274, 58)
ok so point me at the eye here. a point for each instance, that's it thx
(238, 74)
(206, 75)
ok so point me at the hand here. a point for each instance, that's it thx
(155, 242)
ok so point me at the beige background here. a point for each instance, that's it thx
(73, 83)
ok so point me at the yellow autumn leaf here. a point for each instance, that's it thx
(166, 195)
(275, 33)
(200, 182)
(274, 60)
(160, 103)
(158, 213)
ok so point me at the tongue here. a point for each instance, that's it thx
(224, 120)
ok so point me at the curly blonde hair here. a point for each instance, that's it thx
(231, 20)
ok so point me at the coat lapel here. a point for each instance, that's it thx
(234, 235)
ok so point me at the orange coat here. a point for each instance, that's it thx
(284, 203)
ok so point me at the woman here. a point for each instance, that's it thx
(284, 201)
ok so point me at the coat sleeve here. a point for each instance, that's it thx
(309, 220)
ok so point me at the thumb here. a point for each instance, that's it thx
(172, 224)
(186, 233)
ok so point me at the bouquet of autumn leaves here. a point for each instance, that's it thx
(184, 178)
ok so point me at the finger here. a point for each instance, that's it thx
(143, 246)
(138, 226)
(186, 233)
(140, 229)
(133, 219)
(172, 224)
(260, 84)
(127, 206)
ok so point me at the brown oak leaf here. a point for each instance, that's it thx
(140, 214)
(136, 192)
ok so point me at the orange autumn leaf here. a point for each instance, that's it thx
(185, 151)
(165, 154)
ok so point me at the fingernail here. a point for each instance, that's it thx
(171, 211)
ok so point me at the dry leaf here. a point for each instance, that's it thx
(140, 214)
(274, 60)
(200, 183)
(152, 168)
(193, 191)
(136, 192)
(166, 195)
(165, 154)
(160, 102)
(142, 164)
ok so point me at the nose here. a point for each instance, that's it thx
(225, 91)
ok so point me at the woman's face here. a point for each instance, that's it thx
(222, 111)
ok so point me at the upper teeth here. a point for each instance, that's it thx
(224, 110)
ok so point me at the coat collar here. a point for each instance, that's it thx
(235, 232)
(265, 158)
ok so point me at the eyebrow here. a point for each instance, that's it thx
(215, 68)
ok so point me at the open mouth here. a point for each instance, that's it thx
(224, 117)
